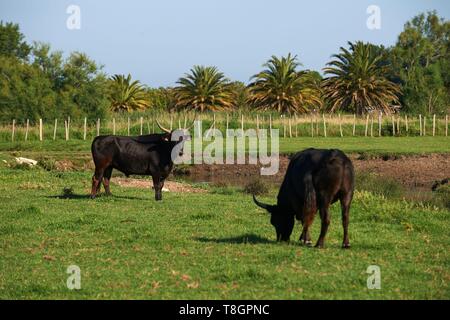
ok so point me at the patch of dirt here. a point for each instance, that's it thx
(417, 172)
(169, 186)
(65, 165)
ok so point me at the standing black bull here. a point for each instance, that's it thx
(314, 180)
(143, 155)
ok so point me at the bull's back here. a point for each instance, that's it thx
(320, 171)
(125, 154)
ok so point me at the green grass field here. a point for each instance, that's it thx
(206, 245)
(61, 149)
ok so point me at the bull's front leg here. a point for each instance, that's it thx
(158, 184)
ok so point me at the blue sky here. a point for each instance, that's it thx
(159, 41)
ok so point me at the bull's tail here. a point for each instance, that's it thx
(310, 200)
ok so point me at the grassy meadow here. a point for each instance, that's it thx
(214, 245)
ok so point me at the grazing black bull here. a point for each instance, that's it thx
(142, 155)
(314, 180)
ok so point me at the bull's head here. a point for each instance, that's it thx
(283, 223)
(176, 137)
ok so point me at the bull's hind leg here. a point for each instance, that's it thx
(305, 237)
(325, 218)
(345, 207)
(96, 181)
(107, 179)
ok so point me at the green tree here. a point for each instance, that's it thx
(205, 88)
(127, 95)
(283, 88)
(161, 98)
(11, 41)
(25, 92)
(421, 60)
(357, 81)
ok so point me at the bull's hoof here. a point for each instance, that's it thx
(346, 246)
(319, 245)
(92, 196)
(307, 243)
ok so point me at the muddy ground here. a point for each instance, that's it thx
(418, 172)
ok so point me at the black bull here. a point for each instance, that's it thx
(314, 180)
(142, 155)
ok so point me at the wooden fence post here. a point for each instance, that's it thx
(424, 125)
(41, 135)
(340, 126)
(114, 126)
(317, 124)
(257, 125)
(68, 127)
(98, 127)
(354, 124)
(290, 126)
(371, 126)
(213, 127)
(128, 126)
(406, 125)
(142, 124)
(66, 124)
(393, 126)
(296, 125)
(446, 125)
(26, 130)
(324, 125)
(84, 128)
(270, 125)
(242, 124)
(420, 125)
(13, 129)
(380, 123)
(55, 128)
(434, 125)
(227, 124)
(367, 126)
(312, 126)
(171, 122)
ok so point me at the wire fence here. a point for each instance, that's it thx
(289, 126)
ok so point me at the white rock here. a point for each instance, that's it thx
(27, 161)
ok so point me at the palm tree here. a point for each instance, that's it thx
(205, 88)
(358, 82)
(127, 95)
(281, 87)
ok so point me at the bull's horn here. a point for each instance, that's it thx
(161, 127)
(212, 124)
(262, 205)
(191, 126)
